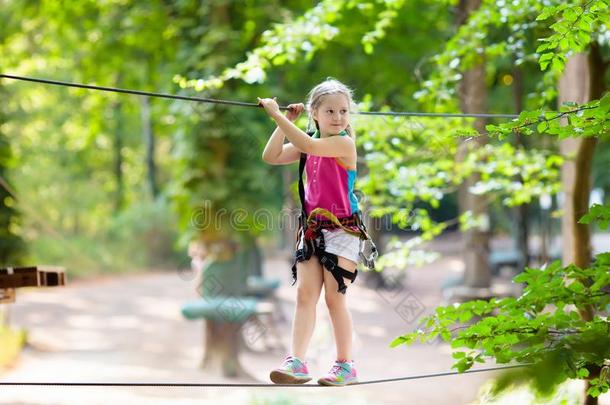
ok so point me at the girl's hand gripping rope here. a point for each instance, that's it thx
(273, 110)
(294, 110)
(270, 106)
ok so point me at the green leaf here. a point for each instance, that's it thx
(545, 59)
(458, 355)
(593, 391)
(597, 212)
(542, 127)
(557, 65)
(398, 341)
(465, 316)
(604, 103)
(546, 13)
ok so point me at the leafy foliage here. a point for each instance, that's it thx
(544, 326)
(12, 246)
(586, 120)
(302, 37)
(412, 162)
(66, 143)
(278, 48)
(12, 342)
(599, 213)
(576, 25)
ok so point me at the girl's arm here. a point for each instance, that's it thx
(335, 146)
(278, 153)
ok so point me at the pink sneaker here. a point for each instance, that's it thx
(292, 371)
(342, 373)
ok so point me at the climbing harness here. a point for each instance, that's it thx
(310, 232)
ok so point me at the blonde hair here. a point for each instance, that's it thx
(316, 96)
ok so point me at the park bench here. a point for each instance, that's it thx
(265, 289)
(31, 276)
(221, 308)
(237, 310)
(499, 259)
(512, 259)
(259, 301)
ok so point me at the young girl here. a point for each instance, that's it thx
(332, 230)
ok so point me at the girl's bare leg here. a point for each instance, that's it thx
(309, 285)
(339, 314)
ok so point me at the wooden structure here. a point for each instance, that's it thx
(32, 276)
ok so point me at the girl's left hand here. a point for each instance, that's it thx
(270, 105)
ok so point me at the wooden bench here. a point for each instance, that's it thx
(256, 317)
(31, 276)
(261, 287)
(221, 308)
(231, 302)
(266, 289)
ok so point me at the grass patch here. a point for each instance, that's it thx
(11, 342)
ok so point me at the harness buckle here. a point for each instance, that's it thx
(368, 258)
(331, 265)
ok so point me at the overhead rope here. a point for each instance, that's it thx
(136, 384)
(244, 104)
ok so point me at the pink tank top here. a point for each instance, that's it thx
(330, 185)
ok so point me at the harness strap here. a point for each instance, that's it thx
(314, 224)
(330, 262)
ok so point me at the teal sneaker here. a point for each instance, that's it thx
(292, 371)
(342, 373)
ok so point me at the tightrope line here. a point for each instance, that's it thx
(150, 384)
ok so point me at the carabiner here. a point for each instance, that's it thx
(368, 260)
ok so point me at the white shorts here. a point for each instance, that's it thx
(340, 243)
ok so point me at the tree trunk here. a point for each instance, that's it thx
(576, 172)
(149, 142)
(521, 211)
(222, 344)
(229, 265)
(473, 98)
(224, 276)
(11, 245)
(581, 81)
(290, 213)
(119, 199)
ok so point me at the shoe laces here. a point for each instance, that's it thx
(340, 368)
(290, 361)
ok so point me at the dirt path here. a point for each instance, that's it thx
(129, 329)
